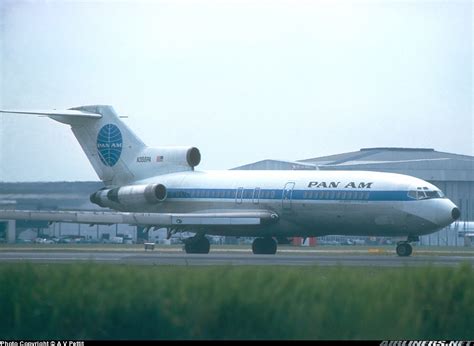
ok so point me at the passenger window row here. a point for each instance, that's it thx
(223, 193)
(337, 195)
(267, 194)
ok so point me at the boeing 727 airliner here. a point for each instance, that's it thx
(159, 187)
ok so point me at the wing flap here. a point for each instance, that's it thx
(258, 217)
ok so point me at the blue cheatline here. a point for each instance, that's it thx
(109, 144)
(275, 194)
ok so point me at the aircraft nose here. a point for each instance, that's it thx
(446, 213)
(455, 213)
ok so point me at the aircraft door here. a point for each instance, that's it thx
(238, 195)
(256, 195)
(287, 195)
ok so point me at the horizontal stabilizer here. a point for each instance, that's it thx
(69, 116)
(145, 219)
(64, 113)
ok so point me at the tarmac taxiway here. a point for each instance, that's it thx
(235, 258)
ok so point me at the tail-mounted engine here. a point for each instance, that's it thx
(173, 158)
(132, 195)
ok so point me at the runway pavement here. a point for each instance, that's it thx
(233, 258)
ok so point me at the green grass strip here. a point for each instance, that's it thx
(99, 301)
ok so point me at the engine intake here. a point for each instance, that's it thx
(193, 157)
(179, 156)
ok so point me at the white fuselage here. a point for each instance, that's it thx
(309, 203)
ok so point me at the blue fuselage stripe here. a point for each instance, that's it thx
(299, 195)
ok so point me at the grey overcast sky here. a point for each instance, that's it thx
(241, 80)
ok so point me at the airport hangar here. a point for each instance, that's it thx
(452, 173)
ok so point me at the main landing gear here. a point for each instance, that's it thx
(197, 244)
(404, 249)
(264, 246)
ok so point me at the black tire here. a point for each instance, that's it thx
(203, 245)
(188, 247)
(404, 249)
(264, 246)
(199, 245)
(257, 246)
(270, 246)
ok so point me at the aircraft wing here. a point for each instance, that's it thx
(257, 217)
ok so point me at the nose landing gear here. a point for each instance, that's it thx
(404, 249)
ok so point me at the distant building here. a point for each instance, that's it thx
(56, 196)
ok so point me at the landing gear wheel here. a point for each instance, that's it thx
(264, 246)
(197, 244)
(404, 249)
(257, 246)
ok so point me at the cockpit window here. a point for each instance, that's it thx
(432, 194)
(425, 193)
(420, 194)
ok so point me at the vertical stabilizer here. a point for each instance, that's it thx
(108, 143)
(117, 155)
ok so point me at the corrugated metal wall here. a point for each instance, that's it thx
(462, 194)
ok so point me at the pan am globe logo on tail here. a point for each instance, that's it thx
(109, 144)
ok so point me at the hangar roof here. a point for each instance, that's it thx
(424, 163)
(385, 154)
(276, 165)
